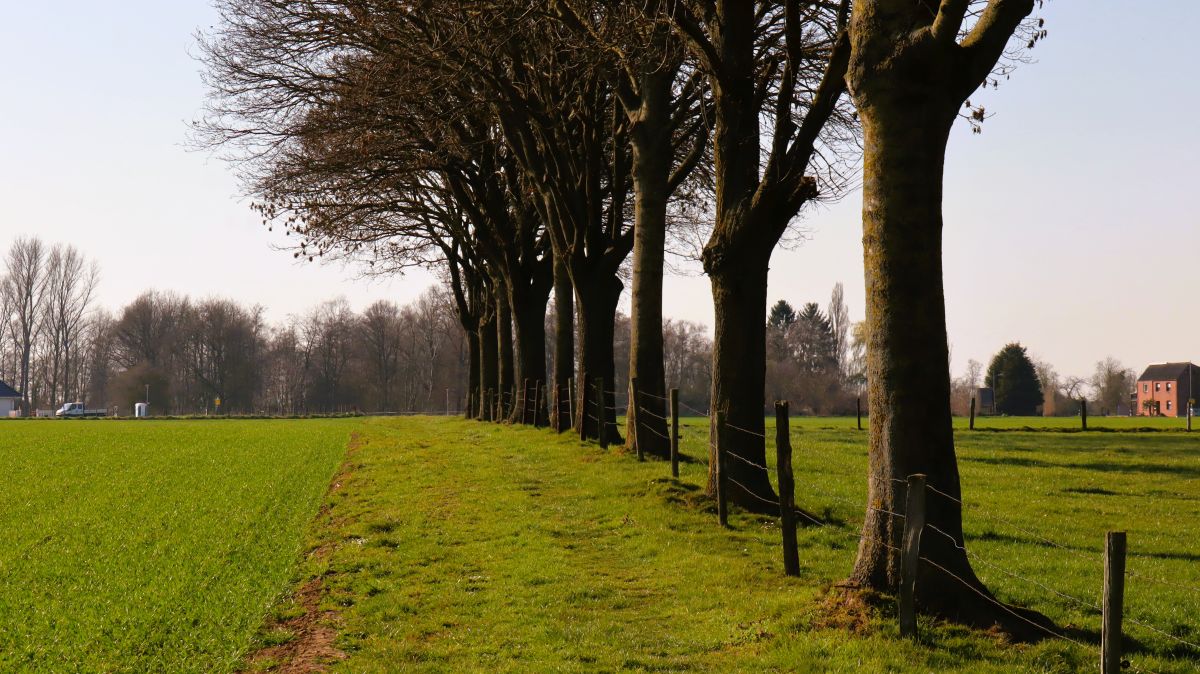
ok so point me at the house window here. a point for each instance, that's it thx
(1145, 388)
(1168, 405)
(1168, 386)
(1157, 387)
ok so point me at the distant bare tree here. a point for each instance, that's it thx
(839, 321)
(24, 288)
(70, 289)
(1112, 383)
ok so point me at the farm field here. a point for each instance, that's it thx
(449, 545)
(151, 546)
(463, 546)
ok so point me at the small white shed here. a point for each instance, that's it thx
(10, 400)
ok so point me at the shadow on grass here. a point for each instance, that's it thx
(1097, 466)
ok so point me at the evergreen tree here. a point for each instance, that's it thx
(814, 343)
(1013, 377)
(782, 316)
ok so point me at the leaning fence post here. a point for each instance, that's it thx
(674, 399)
(601, 413)
(633, 409)
(1114, 598)
(858, 409)
(914, 522)
(787, 489)
(972, 427)
(722, 476)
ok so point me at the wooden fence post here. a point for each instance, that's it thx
(634, 407)
(972, 427)
(787, 490)
(858, 408)
(525, 401)
(674, 400)
(601, 413)
(914, 522)
(1083, 412)
(538, 394)
(722, 476)
(1114, 598)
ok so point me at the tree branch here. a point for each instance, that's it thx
(949, 20)
(985, 44)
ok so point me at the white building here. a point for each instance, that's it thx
(10, 400)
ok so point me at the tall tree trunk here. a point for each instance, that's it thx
(739, 381)
(738, 274)
(529, 321)
(597, 300)
(474, 377)
(908, 104)
(489, 362)
(504, 342)
(564, 339)
(651, 140)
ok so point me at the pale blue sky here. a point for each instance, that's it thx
(1070, 222)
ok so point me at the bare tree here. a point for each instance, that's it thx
(839, 322)
(70, 289)
(912, 65)
(1111, 384)
(783, 63)
(24, 288)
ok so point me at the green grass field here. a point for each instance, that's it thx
(460, 546)
(151, 546)
(452, 546)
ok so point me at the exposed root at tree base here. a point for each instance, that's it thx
(962, 606)
(846, 607)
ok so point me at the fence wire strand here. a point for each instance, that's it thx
(743, 430)
(642, 424)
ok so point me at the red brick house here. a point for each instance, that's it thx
(1165, 388)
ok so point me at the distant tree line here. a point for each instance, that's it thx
(57, 346)
(1036, 387)
(815, 358)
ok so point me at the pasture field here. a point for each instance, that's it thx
(463, 546)
(152, 546)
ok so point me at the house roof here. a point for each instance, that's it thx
(7, 391)
(1164, 372)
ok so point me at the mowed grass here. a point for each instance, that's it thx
(151, 546)
(460, 546)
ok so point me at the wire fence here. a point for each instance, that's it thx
(604, 406)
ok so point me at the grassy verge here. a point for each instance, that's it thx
(152, 546)
(460, 546)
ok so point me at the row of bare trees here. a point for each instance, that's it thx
(563, 147)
